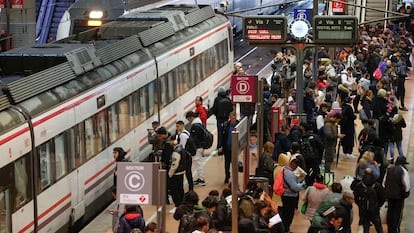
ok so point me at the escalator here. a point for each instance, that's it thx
(49, 13)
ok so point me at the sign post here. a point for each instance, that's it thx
(135, 183)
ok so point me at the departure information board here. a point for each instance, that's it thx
(335, 29)
(265, 29)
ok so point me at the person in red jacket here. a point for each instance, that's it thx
(201, 110)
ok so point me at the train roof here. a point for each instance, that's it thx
(44, 67)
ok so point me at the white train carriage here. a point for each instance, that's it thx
(92, 92)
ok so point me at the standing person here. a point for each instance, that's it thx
(201, 110)
(290, 198)
(398, 124)
(369, 196)
(153, 140)
(131, 219)
(397, 187)
(228, 128)
(282, 142)
(266, 163)
(330, 135)
(222, 107)
(253, 156)
(183, 136)
(119, 156)
(179, 162)
(348, 128)
(196, 134)
(314, 195)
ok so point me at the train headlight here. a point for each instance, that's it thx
(96, 14)
(94, 23)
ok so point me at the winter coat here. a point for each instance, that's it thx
(130, 219)
(222, 107)
(378, 196)
(292, 187)
(330, 133)
(398, 124)
(314, 195)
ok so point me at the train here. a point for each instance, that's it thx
(65, 105)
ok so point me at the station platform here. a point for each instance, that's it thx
(214, 169)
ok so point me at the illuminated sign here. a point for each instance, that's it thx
(265, 29)
(335, 29)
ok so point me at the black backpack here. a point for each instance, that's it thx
(204, 139)
(367, 198)
(184, 160)
(187, 223)
(190, 145)
(306, 148)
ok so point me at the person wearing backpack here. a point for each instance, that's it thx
(177, 168)
(131, 220)
(197, 135)
(228, 128)
(222, 107)
(369, 196)
(397, 187)
(183, 136)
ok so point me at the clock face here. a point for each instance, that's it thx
(299, 29)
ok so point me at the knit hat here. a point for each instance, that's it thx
(221, 90)
(381, 93)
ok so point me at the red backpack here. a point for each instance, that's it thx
(278, 186)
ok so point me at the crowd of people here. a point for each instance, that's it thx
(363, 82)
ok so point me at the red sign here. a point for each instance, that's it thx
(2, 3)
(16, 3)
(243, 88)
(338, 8)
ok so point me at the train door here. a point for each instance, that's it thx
(5, 210)
(75, 147)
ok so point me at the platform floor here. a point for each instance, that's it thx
(214, 168)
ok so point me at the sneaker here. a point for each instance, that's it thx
(351, 156)
(172, 211)
(196, 182)
(403, 108)
(200, 183)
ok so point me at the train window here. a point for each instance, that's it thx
(163, 90)
(113, 122)
(171, 87)
(197, 69)
(44, 155)
(124, 122)
(5, 210)
(71, 153)
(22, 181)
(60, 152)
(10, 119)
(81, 142)
(134, 106)
(152, 99)
(90, 127)
(142, 103)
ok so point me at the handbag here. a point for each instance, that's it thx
(363, 115)
(304, 207)
(328, 178)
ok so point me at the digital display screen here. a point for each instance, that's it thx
(265, 29)
(336, 29)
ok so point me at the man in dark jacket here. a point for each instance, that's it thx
(282, 142)
(369, 196)
(397, 187)
(330, 135)
(228, 127)
(222, 107)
